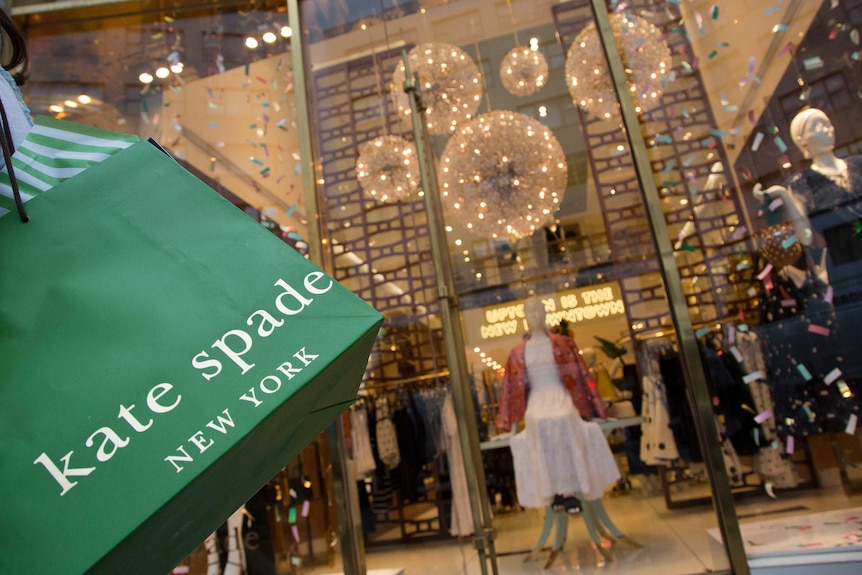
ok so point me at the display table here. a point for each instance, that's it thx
(826, 543)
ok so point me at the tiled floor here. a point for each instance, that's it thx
(673, 542)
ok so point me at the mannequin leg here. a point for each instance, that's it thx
(547, 526)
(562, 524)
(235, 562)
(603, 519)
(211, 545)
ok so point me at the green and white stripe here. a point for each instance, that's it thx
(55, 151)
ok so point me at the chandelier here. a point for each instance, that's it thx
(523, 71)
(647, 57)
(449, 81)
(386, 168)
(503, 174)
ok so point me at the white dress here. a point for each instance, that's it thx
(557, 452)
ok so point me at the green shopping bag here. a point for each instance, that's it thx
(162, 356)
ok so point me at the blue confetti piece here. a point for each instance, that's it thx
(297, 168)
(803, 371)
(212, 124)
(702, 331)
(294, 236)
(670, 164)
(664, 138)
(256, 161)
(789, 242)
(742, 327)
(718, 133)
(290, 211)
(772, 9)
(742, 266)
(779, 143)
(779, 28)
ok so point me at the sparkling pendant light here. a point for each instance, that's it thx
(502, 175)
(523, 71)
(387, 169)
(647, 59)
(449, 81)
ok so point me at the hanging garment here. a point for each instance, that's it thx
(572, 372)
(681, 418)
(363, 457)
(557, 452)
(657, 446)
(462, 520)
(387, 437)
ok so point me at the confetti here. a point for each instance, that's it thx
(758, 138)
(832, 376)
(739, 232)
(819, 330)
(290, 211)
(764, 272)
(295, 531)
(772, 9)
(779, 143)
(789, 242)
(736, 354)
(670, 164)
(812, 63)
(788, 303)
(306, 505)
(256, 161)
(702, 331)
(743, 327)
(687, 247)
(713, 54)
(664, 138)
(828, 296)
(715, 12)
(803, 371)
(742, 266)
(775, 204)
(779, 28)
(787, 47)
(291, 515)
(751, 61)
(763, 415)
(791, 445)
(718, 133)
(851, 424)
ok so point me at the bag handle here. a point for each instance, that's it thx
(8, 150)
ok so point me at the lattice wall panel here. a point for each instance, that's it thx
(381, 252)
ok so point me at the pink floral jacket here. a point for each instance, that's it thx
(573, 372)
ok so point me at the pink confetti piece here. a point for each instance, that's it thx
(788, 303)
(828, 295)
(731, 335)
(306, 505)
(764, 273)
(763, 416)
(767, 284)
(295, 530)
(790, 447)
(787, 47)
(819, 330)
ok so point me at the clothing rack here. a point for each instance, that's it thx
(426, 516)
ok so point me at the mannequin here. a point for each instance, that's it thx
(547, 387)
(823, 204)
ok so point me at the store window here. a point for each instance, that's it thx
(767, 277)
(714, 90)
